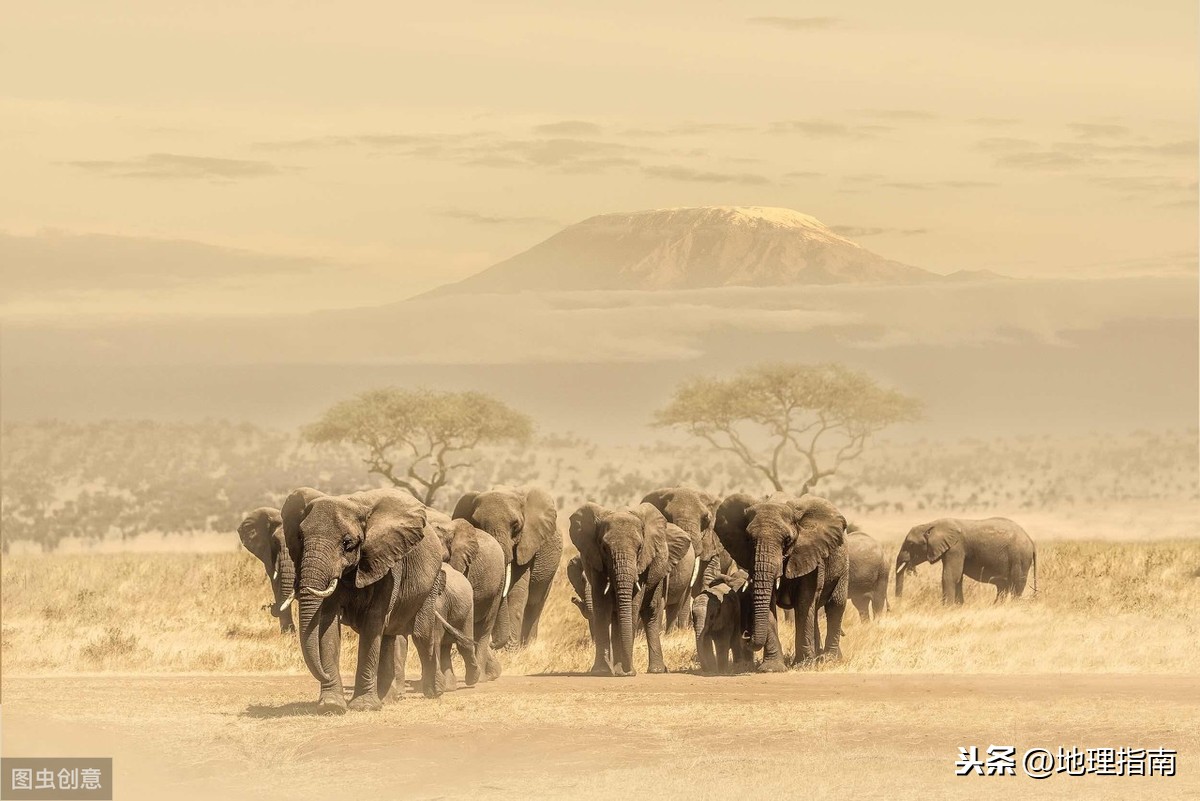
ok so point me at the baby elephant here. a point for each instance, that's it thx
(454, 612)
(717, 621)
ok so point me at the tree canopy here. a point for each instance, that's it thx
(416, 438)
(821, 413)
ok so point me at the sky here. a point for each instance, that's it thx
(167, 157)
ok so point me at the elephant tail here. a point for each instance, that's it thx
(1035, 589)
(463, 642)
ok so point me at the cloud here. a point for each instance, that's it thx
(1006, 143)
(827, 129)
(173, 166)
(1041, 160)
(677, 173)
(55, 262)
(496, 219)
(900, 114)
(1092, 130)
(797, 23)
(856, 231)
(993, 122)
(568, 128)
(920, 186)
(688, 129)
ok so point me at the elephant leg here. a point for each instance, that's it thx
(817, 645)
(652, 620)
(602, 628)
(333, 694)
(772, 661)
(806, 621)
(387, 669)
(706, 653)
(722, 655)
(428, 649)
(742, 658)
(370, 645)
(834, 611)
(863, 604)
(536, 602)
(952, 576)
(485, 625)
(879, 602)
(446, 664)
(518, 597)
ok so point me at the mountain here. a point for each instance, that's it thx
(690, 248)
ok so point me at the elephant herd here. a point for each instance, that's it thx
(397, 571)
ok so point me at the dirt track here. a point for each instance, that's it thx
(676, 736)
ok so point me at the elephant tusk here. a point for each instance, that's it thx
(286, 602)
(274, 575)
(325, 593)
(637, 587)
(607, 585)
(695, 571)
(900, 569)
(778, 581)
(507, 580)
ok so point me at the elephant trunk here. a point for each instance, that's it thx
(767, 561)
(310, 635)
(623, 585)
(285, 583)
(314, 581)
(901, 569)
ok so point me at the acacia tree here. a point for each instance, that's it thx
(823, 413)
(416, 438)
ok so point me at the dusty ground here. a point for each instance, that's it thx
(677, 736)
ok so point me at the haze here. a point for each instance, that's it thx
(167, 158)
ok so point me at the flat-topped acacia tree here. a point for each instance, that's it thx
(823, 413)
(417, 438)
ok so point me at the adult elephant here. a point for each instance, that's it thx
(693, 511)
(371, 561)
(480, 558)
(795, 551)
(524, 521)
(627, 555)
(869, 572)
(261, 532)
(994, 551)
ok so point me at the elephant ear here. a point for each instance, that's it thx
(392, 529)
(293, 511)
(465, 506)
(660, 499)
(462, 544)
(584, 526)
(541, 524)
(732, 517)
(820, 528)
(654, 540)
(257, 531)
(678, 542)
(941, 537)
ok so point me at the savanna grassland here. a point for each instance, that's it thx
(166, 660)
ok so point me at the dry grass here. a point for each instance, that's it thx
(1102, 607)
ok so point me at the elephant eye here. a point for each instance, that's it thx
(348, 544)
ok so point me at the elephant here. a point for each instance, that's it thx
(994, 551)
(477, 556)
(371, 561)
(453, 598)
(869, 573)
(693, 511)
(796, 552)
(718, 622)
(261, 532)
(524, 521)
(627, 555)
